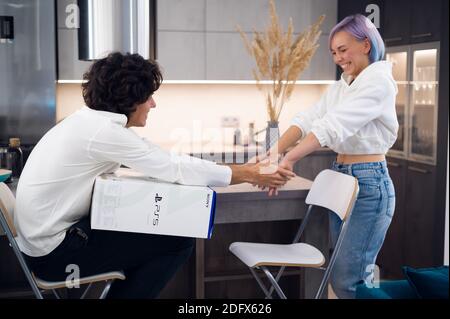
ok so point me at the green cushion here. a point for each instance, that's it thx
(428, 283)
(389, 289)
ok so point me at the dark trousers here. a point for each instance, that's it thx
(148, 261)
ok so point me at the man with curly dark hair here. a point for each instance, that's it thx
(55, 188)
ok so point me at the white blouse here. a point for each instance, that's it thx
(359, 118)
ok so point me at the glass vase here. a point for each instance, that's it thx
(272, 134)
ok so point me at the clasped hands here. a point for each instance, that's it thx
(271, 172)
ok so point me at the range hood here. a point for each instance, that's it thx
(116, 25)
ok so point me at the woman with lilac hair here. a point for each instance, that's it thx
(356, 118)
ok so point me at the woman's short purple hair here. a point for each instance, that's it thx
(361, 28)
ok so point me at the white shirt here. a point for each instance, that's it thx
(55, 187)
(359, 118)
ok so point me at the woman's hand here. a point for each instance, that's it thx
(286, 165)
(268, 162)
(309, 144)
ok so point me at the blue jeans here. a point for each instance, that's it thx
(367, 227)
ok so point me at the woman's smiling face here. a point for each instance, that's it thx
(351, 55)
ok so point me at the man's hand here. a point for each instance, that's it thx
(262, 173)
(270, 175)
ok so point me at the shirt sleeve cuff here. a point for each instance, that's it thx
(320, 137)
(222, 177)
(298, 123)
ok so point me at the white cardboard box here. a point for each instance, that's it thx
(126, 201)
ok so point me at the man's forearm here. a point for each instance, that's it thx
(240, 174)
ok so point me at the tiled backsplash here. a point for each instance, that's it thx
(193, 112)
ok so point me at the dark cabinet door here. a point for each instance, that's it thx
(415, 21)
(420, 216)
(396, 22)
(390, 257)
(425, 20)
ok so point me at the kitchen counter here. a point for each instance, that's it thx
(227, 197)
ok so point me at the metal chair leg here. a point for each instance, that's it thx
(277, 278)
(86, 291)
(56, 294)
(261, 284)
(328, 270)
(274, 283)
(106, 289)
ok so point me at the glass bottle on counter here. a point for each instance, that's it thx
(251, 133)
(14, 158)
(237, 138)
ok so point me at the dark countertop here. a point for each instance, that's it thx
(244, 203)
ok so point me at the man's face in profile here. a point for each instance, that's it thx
(139, 117)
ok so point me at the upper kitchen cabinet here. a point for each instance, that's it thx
(181, 44)
(69, 67)
(416, 21)
(198, 39)
(224, 16)
(426, 20)
(400, 21)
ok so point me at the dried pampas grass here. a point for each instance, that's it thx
(280, 59)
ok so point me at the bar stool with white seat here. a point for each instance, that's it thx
(332, 190)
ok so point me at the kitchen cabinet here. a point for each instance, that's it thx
(390, 258)
(401, 21)
(416, 71)
(425, 20)
(199, 41)
(396, 22)
(415, 236)
(420, 209)
(416, 21)
(181, 55)
(419, 168)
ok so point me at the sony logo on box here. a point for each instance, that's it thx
(129, 202)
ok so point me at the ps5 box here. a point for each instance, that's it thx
(129, 202)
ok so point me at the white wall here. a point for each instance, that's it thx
(186, 107)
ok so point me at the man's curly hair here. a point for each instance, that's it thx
(119, 82)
